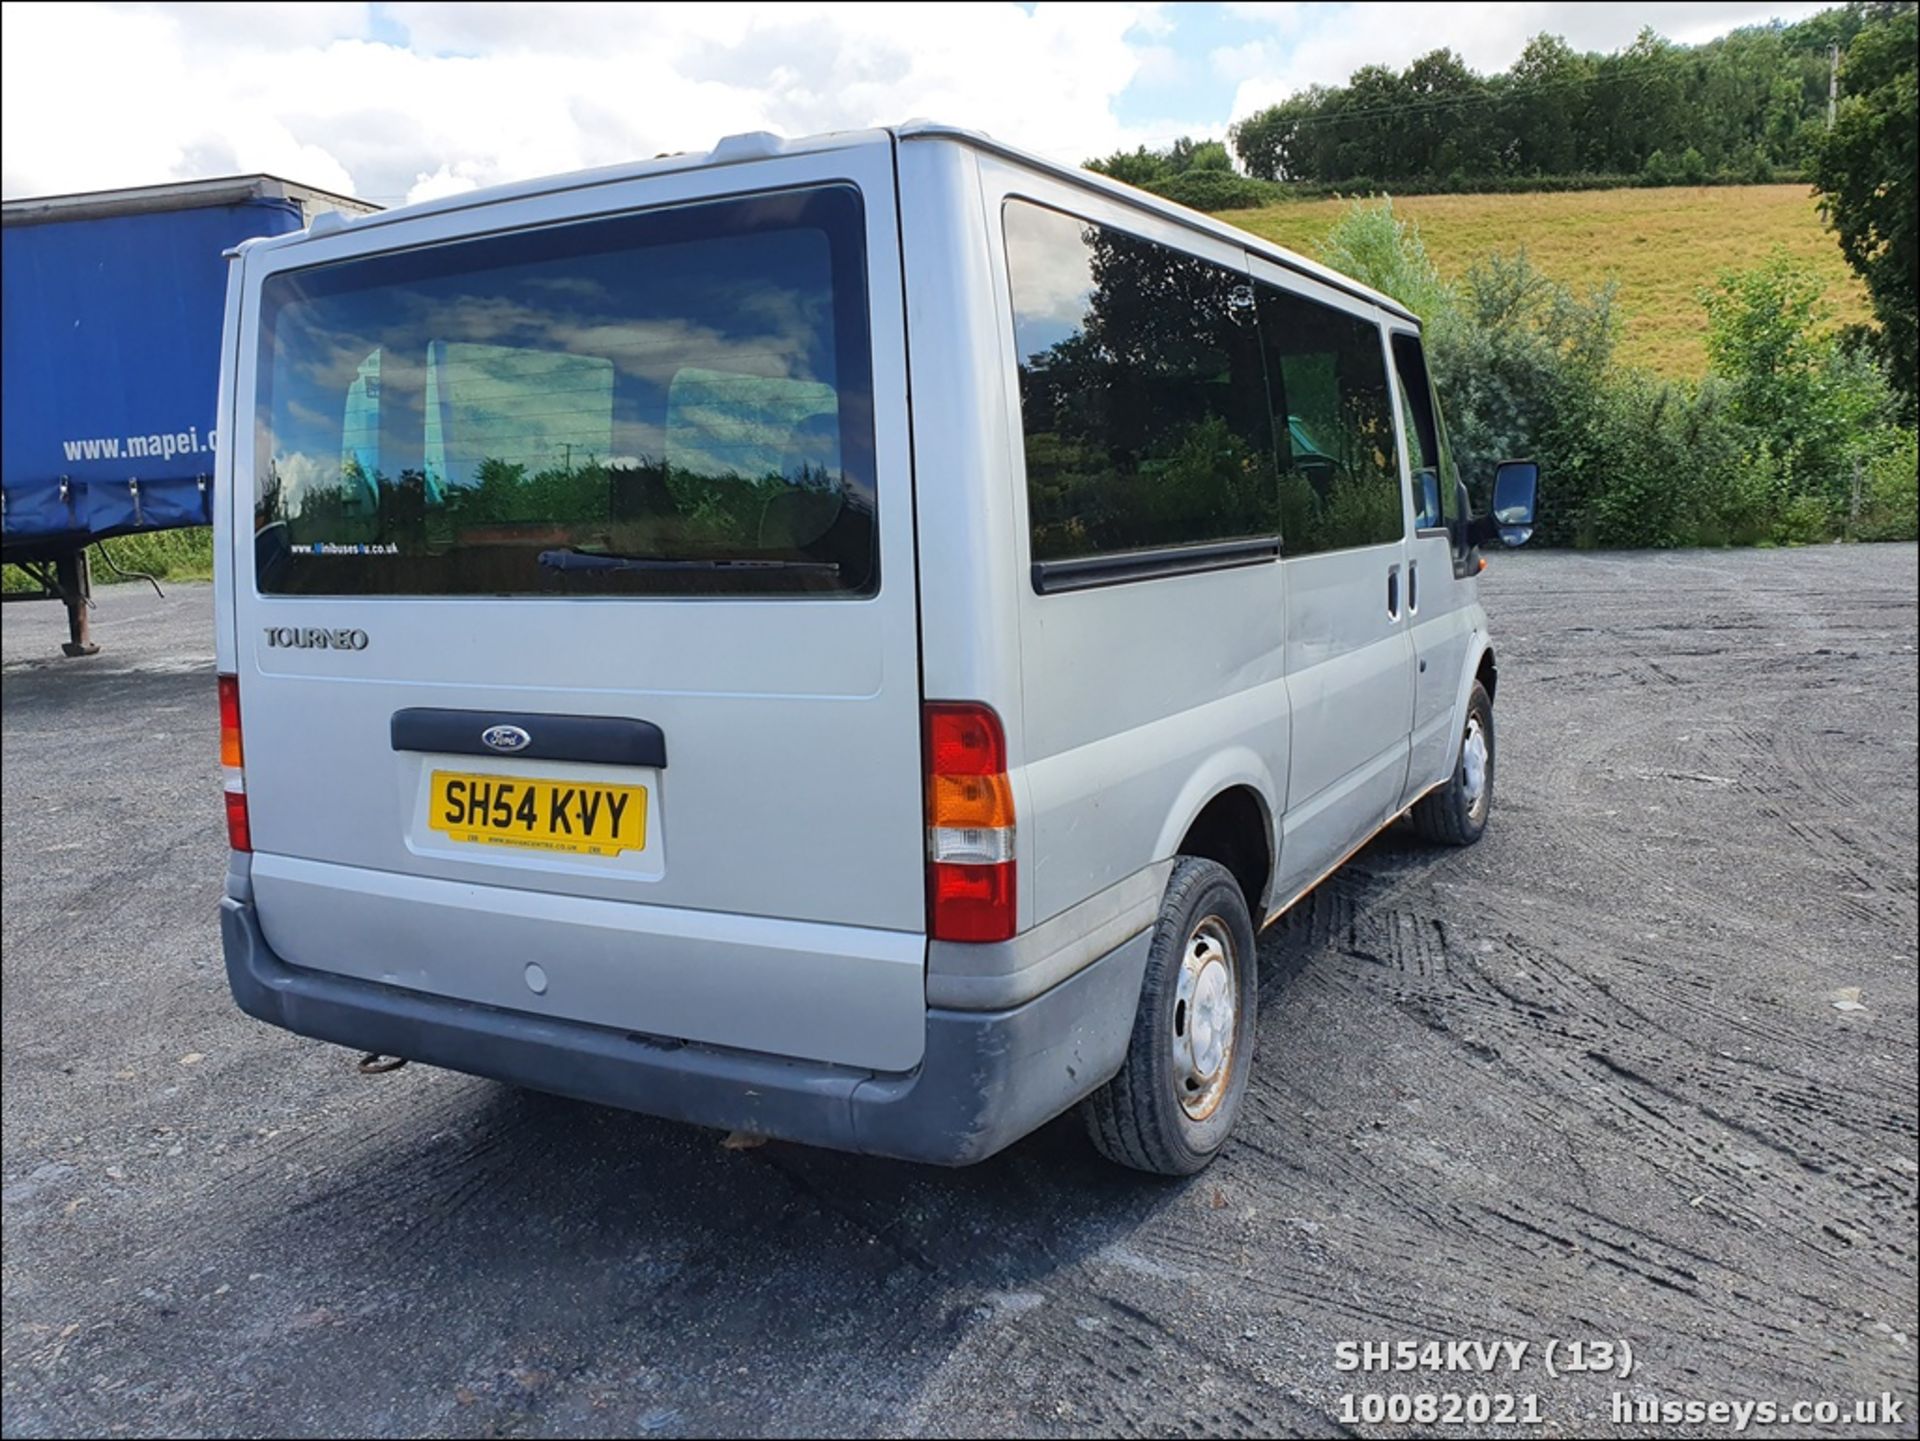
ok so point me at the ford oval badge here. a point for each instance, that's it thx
(505, 738)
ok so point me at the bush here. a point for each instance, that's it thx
(1762, 452)
(1890, 491)
(1805, 519)
(1750, 166)
(1204, 188)
(1377, 248)
(1671, 467)
(1523, 365)
(1792, 377)
(1131, 167)
(1148, 168)
(182, 554)
(1735, 173)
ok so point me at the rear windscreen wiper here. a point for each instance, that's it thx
(573, 558)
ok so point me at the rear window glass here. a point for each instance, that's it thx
(673, 403)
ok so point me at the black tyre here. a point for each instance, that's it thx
(1456, 813)
(1174, 1101)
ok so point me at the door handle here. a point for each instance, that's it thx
(1413, 587)
(1393, 592)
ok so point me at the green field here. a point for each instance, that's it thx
(1659, 245)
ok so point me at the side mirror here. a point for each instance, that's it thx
(1516, 486)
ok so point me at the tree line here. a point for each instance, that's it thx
(1743, 106)
(1748, 107)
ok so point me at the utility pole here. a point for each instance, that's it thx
(1833, 82)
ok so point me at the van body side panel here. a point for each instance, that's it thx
(965, 447)
(788, 811)
(1349, 673)
(1131, 690)
(1449, 628)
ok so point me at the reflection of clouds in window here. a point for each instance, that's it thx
(751, 426)
(1052, 269)
(578, 287)
(536, 409)
(301, 475)
(657, 350)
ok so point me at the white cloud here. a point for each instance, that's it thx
(486, 93)
(95, 95)
(1160, 66)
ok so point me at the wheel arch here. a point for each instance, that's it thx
(1226, 813)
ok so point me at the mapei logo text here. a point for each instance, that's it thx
(314, 638)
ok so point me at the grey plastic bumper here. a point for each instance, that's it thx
(987, 1078)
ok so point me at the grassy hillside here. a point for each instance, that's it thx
(1661, 246)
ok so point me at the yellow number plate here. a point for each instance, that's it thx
(584, 818)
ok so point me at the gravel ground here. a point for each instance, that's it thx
(1587, 1080)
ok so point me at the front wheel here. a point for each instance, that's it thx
(1173, 1103)
(1455, 814)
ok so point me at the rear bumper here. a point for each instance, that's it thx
(987, 1077)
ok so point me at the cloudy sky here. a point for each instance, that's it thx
(404, 101)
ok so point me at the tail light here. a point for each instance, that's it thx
(970, 865)
(230, 752)
(239, 832)
(232, 760)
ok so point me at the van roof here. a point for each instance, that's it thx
(762, 145)
(1159, 205)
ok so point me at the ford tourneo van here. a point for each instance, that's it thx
(846, 639)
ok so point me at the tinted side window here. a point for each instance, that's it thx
(1433, 473)
(1339, 471)
(677, 402)
(1141, 392)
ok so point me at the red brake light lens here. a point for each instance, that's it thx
(971, 893)
(971, 903)
(964, 740)
(239, 832)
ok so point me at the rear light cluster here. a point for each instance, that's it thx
(970, 865)
(232, 759)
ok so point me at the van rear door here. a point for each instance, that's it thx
(574, 603)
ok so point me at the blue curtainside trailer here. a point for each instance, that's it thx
(113, 309)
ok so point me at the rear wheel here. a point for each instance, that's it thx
(1456, 813)
(1174, 1101)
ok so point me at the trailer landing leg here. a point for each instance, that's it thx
(74, 579)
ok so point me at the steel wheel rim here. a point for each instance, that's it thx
(1476, 760)
(1205, 1017)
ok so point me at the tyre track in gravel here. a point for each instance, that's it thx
(1584, 1079)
